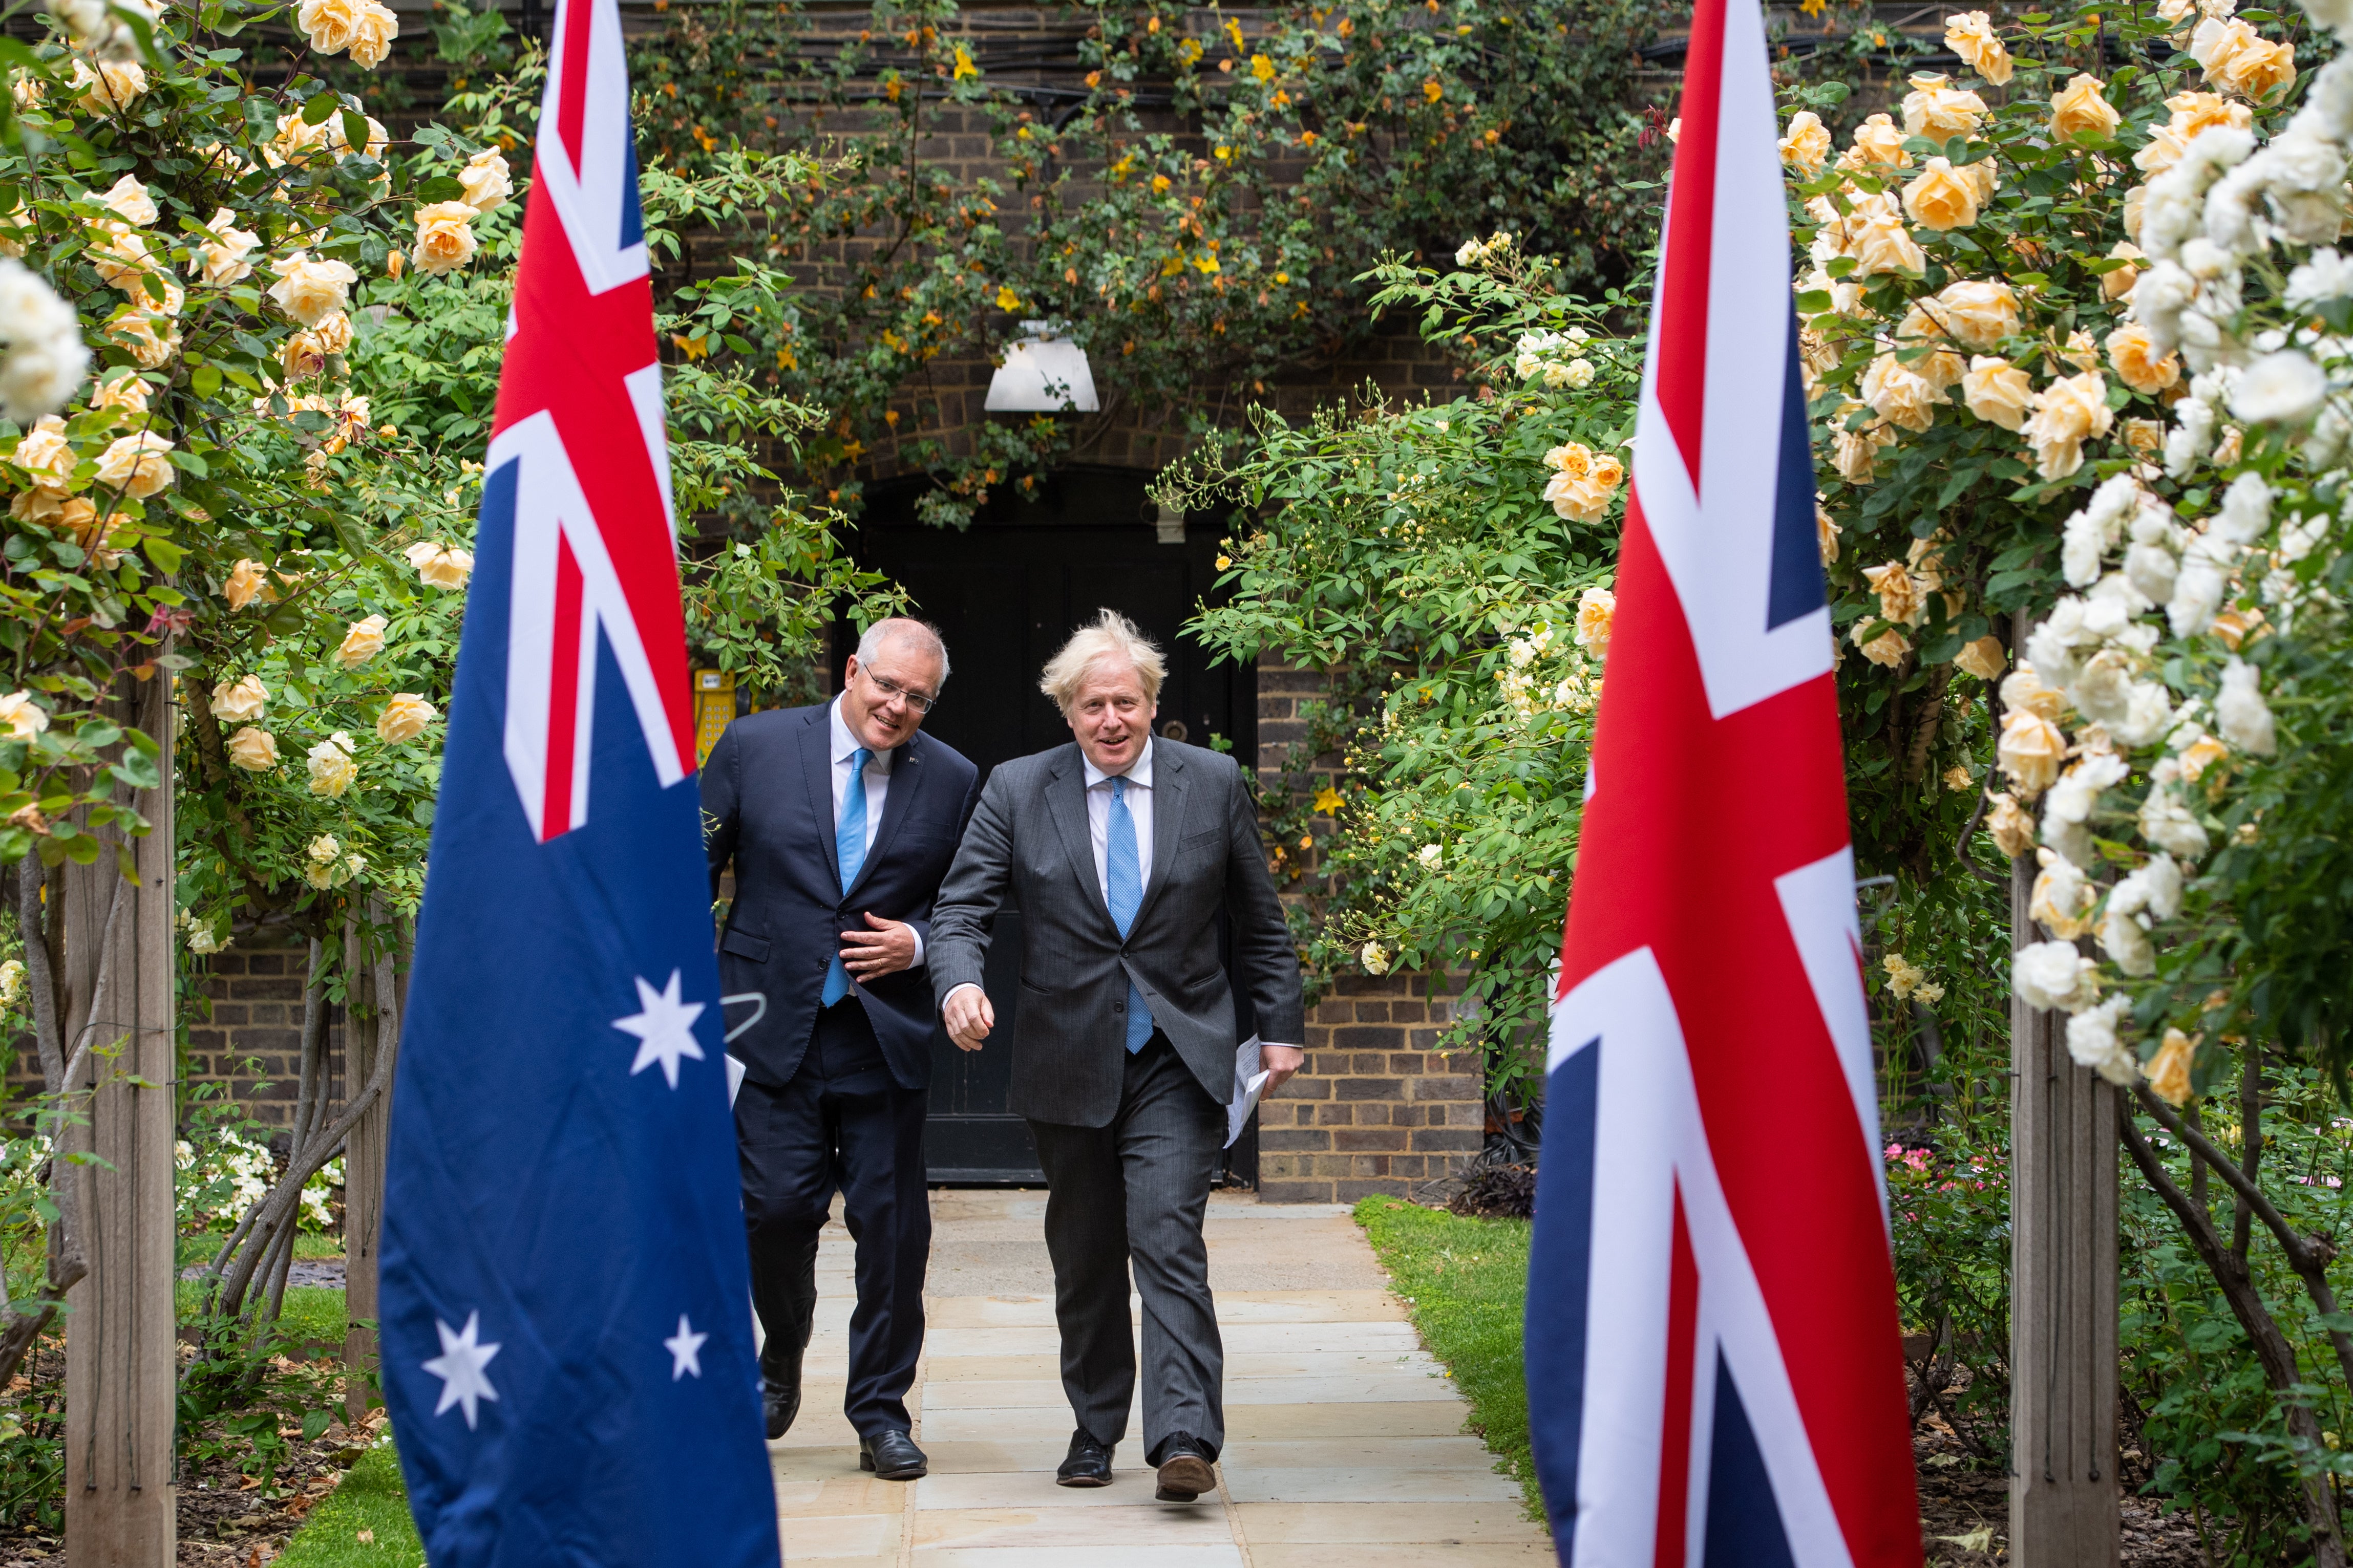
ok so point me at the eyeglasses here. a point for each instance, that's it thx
(890, 688)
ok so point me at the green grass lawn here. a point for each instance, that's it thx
(1467, 1282)
(364, 1523)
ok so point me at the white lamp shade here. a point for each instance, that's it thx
(1042, 375)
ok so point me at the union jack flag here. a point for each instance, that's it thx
(580, 417)
(1714, 1370)
(567, 1349)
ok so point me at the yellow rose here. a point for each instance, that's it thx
(308, 290)
(2145, 437)
(1596, 612)
(247, 581)
(1934, 110)
(2029, 751)
(1888, 648)
(119, 253)
(1899, 395)
(1573, 458)
(1884, 245)
(240, 700)
(1826, 534)
(1997, 391)
(363, 640)
(2012, 828)
(296, 140)
(445, 236)
(403, 718)
(129, 200)
(1806, 147)
(254, 749)
(124, 394)
(2168, 1071)
(110, 88)
(332, 769)
(372, 34)
(2202, 755)
(1970, 36)
(1607, 471)
(2022, 690)
(2164, 150)
(438, 566)
(2080, 351)
(2062, 902)
(1878, 142)
(378, 139)
(151, 336)
(24, 717)
(2137, 364)
(1976, 314)
(1983, 659)
(1900, 598)
(1855, 452)
(2078, 107)
(489, 185)
(2197, 111)
(329, 24)
(1940, 199)
(2239, 59)
(2067, 412)
(135, 466)
(1578, 500)
(222, 259)
(46, 454)
(2118, 285)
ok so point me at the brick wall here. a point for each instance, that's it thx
(251, 1042)
(1377, 1108)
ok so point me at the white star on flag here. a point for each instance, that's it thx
(460, 1367)
(665, 1030)
(685, 1349)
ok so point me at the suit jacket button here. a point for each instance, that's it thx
(1120, 1006)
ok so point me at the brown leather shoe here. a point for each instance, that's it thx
(1185, 1472)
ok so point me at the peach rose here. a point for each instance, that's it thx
(1935, 109)
(1983, 659)
(445, 237)
(2029, 751)
(136, 466)
(2168, 1071)
(1978, 313)
(1878, 143)
(45, 454)
(309, 291)
(2118, 284)
(2078, 108)
(254, 749)
(240, 700)
(1883, 244)
(1997, 391)
(363, 640)
(2137, 363)
(372, 34)
(2237, 59)
(1970, 36)
(439, 565)
(2067, 412)
(489, 184)
(1888, 649)
(1855, 453)
(1899, 395)
(1939, 198)
(246, 582)
(1900, 598)
(2012, 828)
(403, 718)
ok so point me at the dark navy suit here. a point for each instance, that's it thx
(832, 1097)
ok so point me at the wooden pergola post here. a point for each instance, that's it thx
(371, 1030)
(2063, 1313)
(121, 1366)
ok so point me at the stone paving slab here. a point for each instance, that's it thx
(1345, 1441)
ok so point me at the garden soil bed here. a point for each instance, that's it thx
(227, 1520)
(1958, 1498)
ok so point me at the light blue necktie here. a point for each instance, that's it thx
(850, 848)
(1125, 874)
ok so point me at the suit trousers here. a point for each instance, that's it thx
(1133, 1194)
(842, 1122)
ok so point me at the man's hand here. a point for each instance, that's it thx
(969, 1017)
(886, 949)
(1279, 1062)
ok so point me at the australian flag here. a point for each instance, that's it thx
(1714, 1369)
(566, 1330)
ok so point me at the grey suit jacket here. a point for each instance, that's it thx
(1029, 837)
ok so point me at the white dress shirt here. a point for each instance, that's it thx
(1139, 807)
(877, 781)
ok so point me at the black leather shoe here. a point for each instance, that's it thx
(780, 1404)
(1089, 1464)
(892, 1456)
(1185, 1472)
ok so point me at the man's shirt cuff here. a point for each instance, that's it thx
(966, 985)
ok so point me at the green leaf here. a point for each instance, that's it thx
(137, 770)
(165, 555)
(1813, 302)
(124, 862)
(205, 380)
(321, 105)
(355, 131)
(440, 188)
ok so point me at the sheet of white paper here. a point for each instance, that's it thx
(1248, 1083)
(736, 1079)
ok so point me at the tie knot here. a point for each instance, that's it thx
(858, 759)
(1119, 787)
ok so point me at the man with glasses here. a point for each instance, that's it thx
(840, 821)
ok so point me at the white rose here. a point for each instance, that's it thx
(2240, 711)
(2166, 823)
(331, 768)
(2283, 388)
(24, 717)
(2053, 974)
(2092, 1041)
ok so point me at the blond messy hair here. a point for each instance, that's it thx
(1113, 637)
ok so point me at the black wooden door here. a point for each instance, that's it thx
(1005, 594)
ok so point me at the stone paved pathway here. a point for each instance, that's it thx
(1344, 1444)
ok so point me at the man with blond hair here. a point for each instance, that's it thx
(1121, 850)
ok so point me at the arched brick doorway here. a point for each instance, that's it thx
(1005, 592)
